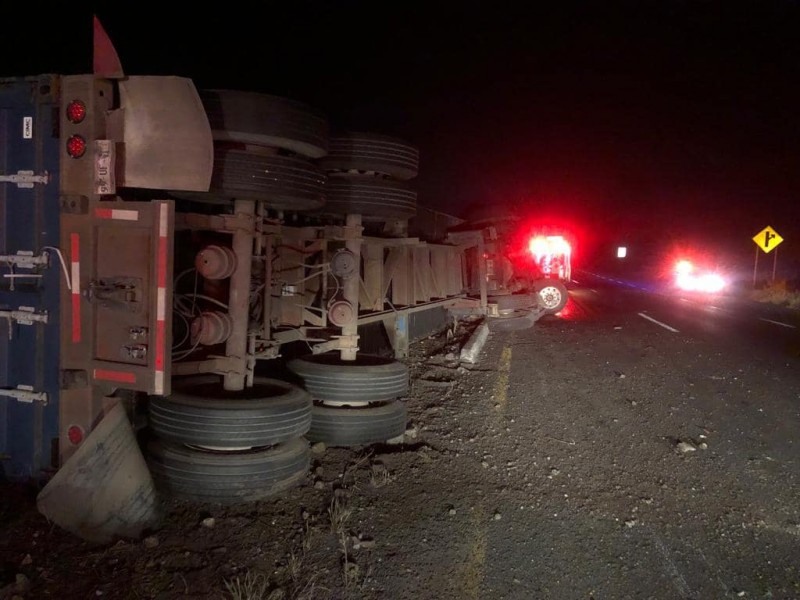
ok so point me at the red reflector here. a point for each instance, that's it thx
(76, 111)
(75, 435)
(76, 146)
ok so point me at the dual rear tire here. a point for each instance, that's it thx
(222, 447)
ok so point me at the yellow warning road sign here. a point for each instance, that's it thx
(767, 239)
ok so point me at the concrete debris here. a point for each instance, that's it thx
(473, 347)
(318, 448)
(397, 440)
(209, 522)
(684, 447)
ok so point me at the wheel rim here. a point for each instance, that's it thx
(551, 296)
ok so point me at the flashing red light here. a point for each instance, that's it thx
(76, 146)
(541, 245)
(552, 254)
(76, 111)
(75, 434)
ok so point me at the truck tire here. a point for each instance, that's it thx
(264, 120)
(187, 473)
(371, 153)
(373, 199)
(200, 412)
(368, 378)
(553, 295)
(513, 301)
(516, 320)
(281, 182)
(343, 426)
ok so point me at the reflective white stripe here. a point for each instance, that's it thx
(125, 215)
(158, 383)
(161, 304)
(162, 220)
(75, 276)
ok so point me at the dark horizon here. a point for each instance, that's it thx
(646, 119)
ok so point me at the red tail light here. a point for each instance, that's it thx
(76, 111)
(76, 146)
(75, 435)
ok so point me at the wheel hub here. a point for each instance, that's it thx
(550, 296)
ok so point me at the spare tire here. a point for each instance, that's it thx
(261, 119)
(357, 152)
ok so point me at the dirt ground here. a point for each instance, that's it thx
(567, 463)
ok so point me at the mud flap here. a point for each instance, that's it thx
(105, 490)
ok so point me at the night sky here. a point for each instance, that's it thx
(674, 121)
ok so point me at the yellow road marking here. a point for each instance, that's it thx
(501, 386)
(473, 570)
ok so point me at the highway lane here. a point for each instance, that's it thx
(763, 330)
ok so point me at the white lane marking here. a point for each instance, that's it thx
(778, 323)
(664, 325)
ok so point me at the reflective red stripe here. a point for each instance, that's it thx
(118, 376)
(117, 214)
(160, 333)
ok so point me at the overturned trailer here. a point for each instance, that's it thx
(166, 245)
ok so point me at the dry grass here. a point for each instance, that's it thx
(339, 513)
(379, 475)
(253, 586)
(777, 292)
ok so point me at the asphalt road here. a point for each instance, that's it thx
(771, 331)
(641, 445)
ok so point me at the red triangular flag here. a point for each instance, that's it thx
(105, 61)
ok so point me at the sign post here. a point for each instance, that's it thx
(767, 240)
